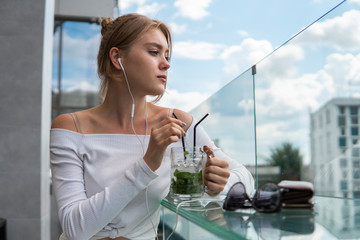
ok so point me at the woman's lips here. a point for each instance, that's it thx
(162, 78)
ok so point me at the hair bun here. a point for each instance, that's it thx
(105, 24)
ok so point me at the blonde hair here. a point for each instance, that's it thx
(122, 33)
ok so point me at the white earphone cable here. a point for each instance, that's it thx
(189, 201)
(141, 143)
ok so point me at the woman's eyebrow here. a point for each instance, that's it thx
(159, 46)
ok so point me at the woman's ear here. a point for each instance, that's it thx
(114, 55)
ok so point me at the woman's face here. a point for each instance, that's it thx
(146, 64)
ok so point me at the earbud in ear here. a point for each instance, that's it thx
(119, 61)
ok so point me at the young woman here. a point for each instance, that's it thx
(111, 163)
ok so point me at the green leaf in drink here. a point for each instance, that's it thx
(186, 182)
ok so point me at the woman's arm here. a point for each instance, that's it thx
(82, 217)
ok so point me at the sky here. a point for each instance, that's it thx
(215, 41)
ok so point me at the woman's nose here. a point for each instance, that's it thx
(165, 64)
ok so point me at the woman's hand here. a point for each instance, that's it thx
(216, 173)
(167, 131)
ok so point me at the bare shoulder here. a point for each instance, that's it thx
(64, 121)
(184, 116)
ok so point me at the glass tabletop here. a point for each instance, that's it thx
(331, 218)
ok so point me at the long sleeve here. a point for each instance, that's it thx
(81, 216)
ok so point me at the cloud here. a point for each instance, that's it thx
(125, 4)
(287, 97)
(77, 49)
(287, 93)
(184, 101)
(281, 64)
(238, 58)
(142, 7)
(341, 33)
(242, 33)
(177, 28)
(197, 50)
(79, 60)
(82, 85)
(150, 9)
(284, 104)
(355, 1)
(344, 68)
(194, 10)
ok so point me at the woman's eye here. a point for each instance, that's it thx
(154, 52)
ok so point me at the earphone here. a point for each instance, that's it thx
(127, 82)
(143, 148)
(119, 61)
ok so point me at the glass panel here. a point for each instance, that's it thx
(325, 222)
(306, 106)
(306, 101)
(75, 81)
(231, 119)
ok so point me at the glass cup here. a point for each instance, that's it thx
(187, 173)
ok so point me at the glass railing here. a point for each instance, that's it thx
(304, 122)
(231, 118)
(209, 221)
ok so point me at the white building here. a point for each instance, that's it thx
(335, 148)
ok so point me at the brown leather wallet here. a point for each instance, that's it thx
(296, 194)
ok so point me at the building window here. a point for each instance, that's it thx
(354, 110)
(313, 123)
(356, 187)
(344, 174)
(320, 121)
(75, 81)
(356, 174)
(356, 164)
(342, 131)
(321, 145)
(355, 152)
(342, 142)
(328, 117)
(343, 185)
(354, 131)
(341, 109)
(354, 120)
(328, 143)
(342, 121)
(357, 212)
(343, 162)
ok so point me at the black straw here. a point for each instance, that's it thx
(196, 126)
(182, 138)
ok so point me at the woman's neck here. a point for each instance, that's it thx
(118, 105)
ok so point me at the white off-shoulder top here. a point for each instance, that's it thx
(100, 183)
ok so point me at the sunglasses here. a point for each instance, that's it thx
(266, 199)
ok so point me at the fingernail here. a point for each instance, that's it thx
(184, 124)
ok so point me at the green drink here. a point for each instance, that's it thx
(186, 174)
